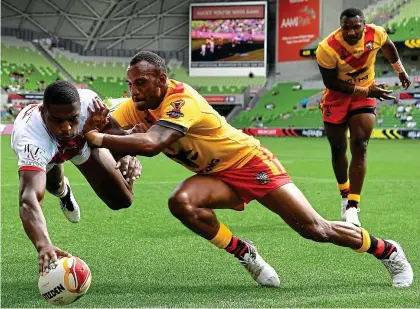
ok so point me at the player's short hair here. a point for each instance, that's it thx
(60, 92)
(151, 58)
(352, 12)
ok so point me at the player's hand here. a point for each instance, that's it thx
(98, 117)
(130, 167)
(138, 128)
(404, 79)
(49, 254)
(379, 92)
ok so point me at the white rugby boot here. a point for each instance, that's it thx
(350, 216)
(259, 269)
(344, 202)
(398, 267)
(68, 204)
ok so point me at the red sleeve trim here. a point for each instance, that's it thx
(30, 168)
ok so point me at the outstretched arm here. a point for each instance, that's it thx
(31, 194)
(148, 144)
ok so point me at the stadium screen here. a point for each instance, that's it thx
(228, 39)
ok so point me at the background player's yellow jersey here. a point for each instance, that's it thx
(210, 144)
(354, 63)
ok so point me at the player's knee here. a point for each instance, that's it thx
(318, 231)
(359, 145)
(180, 206)
(122, 202)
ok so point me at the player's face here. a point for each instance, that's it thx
(352, 29)
(62, 120)
(146, 85)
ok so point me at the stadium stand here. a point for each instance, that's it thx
(405, 25)
(217, 84)
(106, 75)
(276, 104)
(381, 10)
(24, 68)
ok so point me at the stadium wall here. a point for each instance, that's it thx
(310, 132)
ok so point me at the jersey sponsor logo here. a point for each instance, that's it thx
(176, 109)
(27, 162)
(263, 178)
(354, 74)
(210, 166)
(33, 152)
(185, 157)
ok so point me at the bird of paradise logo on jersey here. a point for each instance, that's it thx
(176, 109)
(76, 276)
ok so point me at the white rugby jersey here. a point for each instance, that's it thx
(37, 149)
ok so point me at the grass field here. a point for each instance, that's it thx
(143, 257)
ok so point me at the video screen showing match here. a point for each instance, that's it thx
(228, 36)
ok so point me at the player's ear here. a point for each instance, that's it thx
(162, 78)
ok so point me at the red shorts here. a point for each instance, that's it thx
(258, 177)
(337, 107)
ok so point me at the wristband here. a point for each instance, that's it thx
(398, 67)
(361, 91)
(95, 138)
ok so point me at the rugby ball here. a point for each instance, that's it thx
(66, 282)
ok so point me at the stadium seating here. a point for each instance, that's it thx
(381, 8)
(406, 25)
(19, 56)
(283, 100)
(216, 84)
(107, 75)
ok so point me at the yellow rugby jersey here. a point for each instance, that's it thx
(354, 63)
(210, 144)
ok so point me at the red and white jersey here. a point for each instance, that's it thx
(37, 149)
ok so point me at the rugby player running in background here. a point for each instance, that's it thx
(346, 60)
(231, 169)
(44, 137)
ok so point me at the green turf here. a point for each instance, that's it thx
(143, 257)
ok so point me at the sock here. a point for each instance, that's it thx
(344, 189)
(222, 238)
(63, 193)
(237, 247)
(354, 200)
(380, 248)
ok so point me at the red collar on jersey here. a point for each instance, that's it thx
(179, 88)
(344, 54)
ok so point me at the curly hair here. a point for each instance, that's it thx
(151, 58)
(59, 93)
